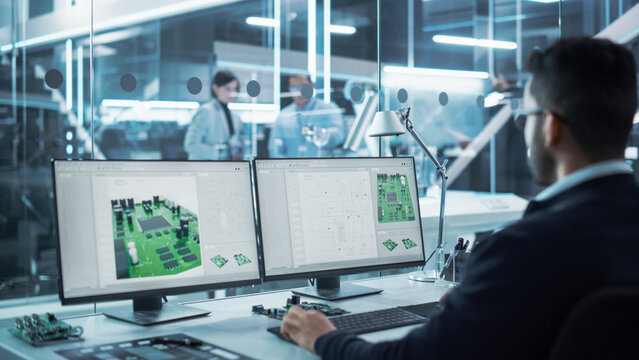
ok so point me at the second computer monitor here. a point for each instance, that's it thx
(329, 217)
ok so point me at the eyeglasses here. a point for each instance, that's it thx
(519, 117)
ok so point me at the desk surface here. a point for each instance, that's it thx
(232, 325)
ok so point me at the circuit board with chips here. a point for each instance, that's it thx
(154, 238)
(394, 203)
(241, 259)
(390, 244)
(44, 329)
(219, 261)
(278, 313)
(408, 243)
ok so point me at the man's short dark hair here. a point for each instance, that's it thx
(591, 85)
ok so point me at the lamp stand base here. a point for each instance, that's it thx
(423, 275)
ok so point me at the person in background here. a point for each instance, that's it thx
(215, 133)
(577, 236)
(308, 127)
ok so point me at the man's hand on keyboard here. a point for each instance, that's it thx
(305, 327)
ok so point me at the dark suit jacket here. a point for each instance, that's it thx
(521, 283)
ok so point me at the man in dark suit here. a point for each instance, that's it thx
(581, 233)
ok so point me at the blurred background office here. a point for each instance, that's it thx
(116, 79)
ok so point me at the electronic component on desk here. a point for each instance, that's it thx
(278, 313)
(174, 346)
(46, 329)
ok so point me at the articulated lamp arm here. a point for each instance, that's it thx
(441, 170)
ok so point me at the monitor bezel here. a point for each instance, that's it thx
(129, 295)
(332, 272)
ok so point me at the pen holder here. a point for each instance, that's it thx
(449, 274)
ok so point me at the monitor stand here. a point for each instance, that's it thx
(329, 288)
(150, 311)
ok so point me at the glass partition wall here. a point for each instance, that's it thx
(239, 79)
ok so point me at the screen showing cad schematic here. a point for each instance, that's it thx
(331, 214)
(143, 225)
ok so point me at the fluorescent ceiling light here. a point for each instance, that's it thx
(155, 104)
(343, 29)
(176, 8)
(458, 40)
(120, 103)
(174, 104)
(260, 21)
(269, 22)
(253, 106)
(545, 1)
(436, 72)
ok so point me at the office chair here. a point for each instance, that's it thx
(603, 325)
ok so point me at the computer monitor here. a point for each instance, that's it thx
(145, 229)
(321, 218)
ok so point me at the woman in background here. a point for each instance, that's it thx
(214, 132)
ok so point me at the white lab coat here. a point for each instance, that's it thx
(209, 132)
(286, 139)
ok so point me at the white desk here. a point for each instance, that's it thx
(232, 325)
(468, 212)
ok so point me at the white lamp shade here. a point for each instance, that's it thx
(386, 123)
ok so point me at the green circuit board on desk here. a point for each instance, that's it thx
(394, 203)
(43, 329)
(154, 238)
(278, 313)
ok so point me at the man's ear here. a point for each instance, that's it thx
(553, 130)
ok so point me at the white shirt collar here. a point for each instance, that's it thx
(600, 169)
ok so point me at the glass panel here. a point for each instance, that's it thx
(312, 118)
(156, 93)
(530, 25)
(42, 58)
(458, 65)
(588, 18)
(153, 66)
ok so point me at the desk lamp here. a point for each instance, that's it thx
(391, 123)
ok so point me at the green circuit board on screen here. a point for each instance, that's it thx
(219, 261)
(390, 244)
(154, 238)
(241, 259)
(394, 203)
(408, 243)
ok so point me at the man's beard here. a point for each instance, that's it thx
(540, 161)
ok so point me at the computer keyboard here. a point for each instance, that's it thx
(371, 321)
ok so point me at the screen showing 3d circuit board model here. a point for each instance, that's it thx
(393, 198)
(328, 214)
(154, 237)
(129, 226)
